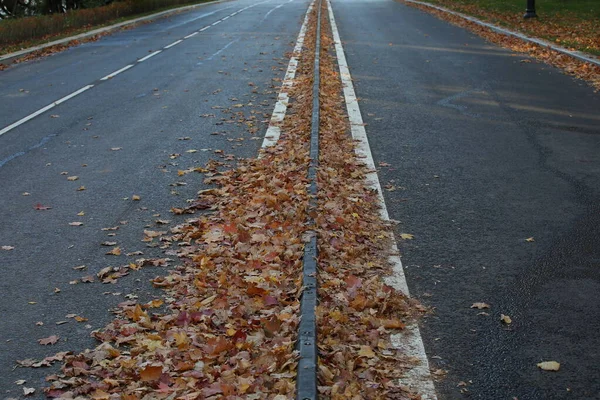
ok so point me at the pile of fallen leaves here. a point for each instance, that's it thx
(357, 311)
(571, 66)
(230, 314)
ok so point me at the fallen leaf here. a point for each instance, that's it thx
(20, 382)
(73, 178)
(81, 188)
(48, 340)
(76, 223)
(530, 239)
(506, 319)
(108, 243)
(87, 279)
(80, 213)
(366, 351)
(135, 197)
(549, 365)
(8, 248)
(151, 373)
(480, 306)
(115, 148)
(407, 236)
(114, 252)
(80, 268)
(27, 391)
(39, 206)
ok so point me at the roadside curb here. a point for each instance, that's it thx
(8, 58)
(576, 54)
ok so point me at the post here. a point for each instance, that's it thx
(530, 11)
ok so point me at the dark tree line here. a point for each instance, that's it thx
(23, 8)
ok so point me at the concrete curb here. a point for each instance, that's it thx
(576, 54)
(7, 58)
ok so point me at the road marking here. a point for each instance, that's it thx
(274, 129)
(190, 35)
(117, 72)
(226, 18)
(216, 23)
(149, 56)
(43, 110)
(175, 43)
(113, 74)
(418, 377)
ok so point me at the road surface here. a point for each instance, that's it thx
(479, 149)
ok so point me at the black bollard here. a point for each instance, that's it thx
(530, 11)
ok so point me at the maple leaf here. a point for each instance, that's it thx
(49, 340)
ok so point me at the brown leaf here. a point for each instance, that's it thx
(151, 373)
(49, 340)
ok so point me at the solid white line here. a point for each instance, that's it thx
(117, 72)
(274, 131)
(43, 110)
(418, 378)
(175, 43)
(190, 35)
(149, 56)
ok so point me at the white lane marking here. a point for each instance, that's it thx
(149, 56)
(274, 131)
(270, 11)
(43, 110)
(226, 18)
(418, 377)
(175, 43)
(113, 74)
(117, 72)
(216, 23)
(190, 35)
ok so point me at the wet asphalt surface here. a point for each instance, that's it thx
(208, 97)
(481, 148)
(478, 150)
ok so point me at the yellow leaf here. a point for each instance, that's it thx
(72, 178)
(531, 239)
(549, 365)
(135, 197)
(506, 319)
(479, 306)
(407, 236)
(366, 351)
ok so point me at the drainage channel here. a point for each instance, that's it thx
(306, 380)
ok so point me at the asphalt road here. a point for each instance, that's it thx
(480, 149)
(123, 137)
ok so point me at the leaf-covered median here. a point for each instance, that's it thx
(228, 323)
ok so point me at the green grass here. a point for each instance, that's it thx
(584, 9)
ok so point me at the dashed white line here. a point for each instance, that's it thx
(203, 29)
(43, 110)
(226, 18)
(274, 130)
(149, 56)
(216, 23)
(175, 43)
(190, 35)
(418, 377)
(117, 72)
